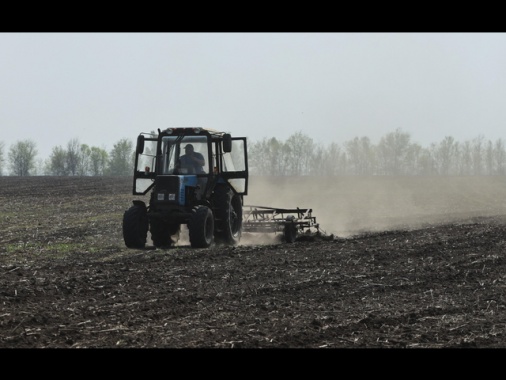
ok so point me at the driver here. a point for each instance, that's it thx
(191, 160)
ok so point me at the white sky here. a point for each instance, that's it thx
(102, 87)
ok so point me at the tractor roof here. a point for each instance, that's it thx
(192, 130)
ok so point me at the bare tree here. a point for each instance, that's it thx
(477, 155)
(1, 157)
(335, 160)
(446, 153)
(427, 163)
(267, 157)
(84, 160)
(258, 162)
(353, 152)
(360, 153)
(122, 158)
(73, 156)
(466, 159)
(413, 159)
(299, 149)
(489, 158)
(98, 161)
(499, 157)
(392, 152)
(394, 155)
(22, 157)
(318, 161)
(58, 161)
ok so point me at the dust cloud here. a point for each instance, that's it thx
(346, 206)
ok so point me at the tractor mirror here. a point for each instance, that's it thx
(227, 143)
(140, 144)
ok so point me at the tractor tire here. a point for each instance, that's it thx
(164, 235)
(201, 227)
(228, 216)
(135, 226)
(289, 232)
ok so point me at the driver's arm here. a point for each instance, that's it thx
(199, 159)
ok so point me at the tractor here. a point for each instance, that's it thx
(203, 192)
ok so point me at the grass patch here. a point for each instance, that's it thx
(48, 250)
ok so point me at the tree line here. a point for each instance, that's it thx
(74, 159)
(394, 154)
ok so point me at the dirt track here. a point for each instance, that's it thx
(414, 262)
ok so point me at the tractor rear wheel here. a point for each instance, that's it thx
(135, 226)
(201, 227)
(228, 211)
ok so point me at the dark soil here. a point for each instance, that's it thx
(68, 281)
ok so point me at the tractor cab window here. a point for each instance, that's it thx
(188, 155)
(146, 161)
(236, 162)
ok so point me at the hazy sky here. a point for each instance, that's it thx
(102, 87)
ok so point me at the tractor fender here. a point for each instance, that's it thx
(139, 203)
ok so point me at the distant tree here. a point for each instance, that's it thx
(499, 157)
(58, 162)
(84, 160)
(40, 167)
(360, 153)
(353, 153)
(335, 160)
(317, 164)
(77, 159)
(327, 161)
(394, 155)
(45, 167)
(494, 157)
(466, 161)
(445, 155)
(299, 149)
(22, 157)
(392, 152)
(265, 157)
(489, 158)
(98, 161)
(477, 155)
(73, 156)
(426, 161)
(254, 157)
(413, 159)
(121, 158)
(1, 157)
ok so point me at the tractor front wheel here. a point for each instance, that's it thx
(201, 227)
(135, 226)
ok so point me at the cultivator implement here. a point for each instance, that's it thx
(289, 222)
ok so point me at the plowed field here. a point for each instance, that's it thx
(404, 263)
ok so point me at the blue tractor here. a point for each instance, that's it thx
(197, 177)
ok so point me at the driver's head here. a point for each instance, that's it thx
(188, 148)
